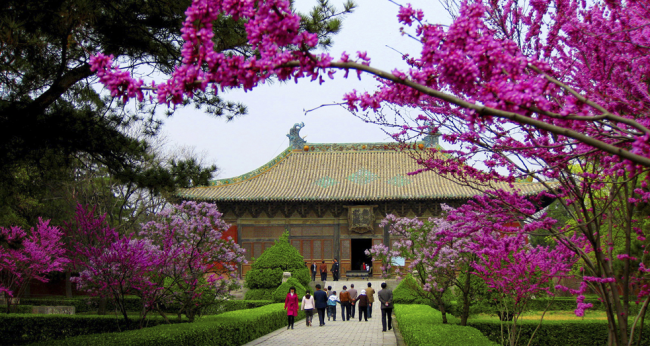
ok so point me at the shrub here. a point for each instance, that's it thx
(281, 257)
(234, 305)
(408, 291)
(280, 293)
(556, 332)
(264, 278)
(21, 309)
(83, 304)
(231, 328)
(26, 328)
(259, 294)
(422, 325)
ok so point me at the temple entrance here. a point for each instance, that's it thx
(357, 253)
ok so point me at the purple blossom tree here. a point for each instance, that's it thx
(114, 266)
(434, 256)
(27, 256)
(204, 268)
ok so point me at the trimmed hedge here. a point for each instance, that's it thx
(280, 293)
(259, 294)
(83, 304)
(540, 304)
(266, 271)
(231, 328)
(22, 309)
(552, 333)
(264, 278)
(17, 329)
(406, 293)
(422, 325)
(234, 305)
(569, 304)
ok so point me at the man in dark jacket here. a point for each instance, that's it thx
(314, 269)
(323, 272)
(335, 270)
(386, 300)
(320, 300)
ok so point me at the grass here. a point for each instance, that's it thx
(549, 316)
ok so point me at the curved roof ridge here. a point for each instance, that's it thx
(252, 174)
(315, 147)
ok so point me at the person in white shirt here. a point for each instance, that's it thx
(308, 305)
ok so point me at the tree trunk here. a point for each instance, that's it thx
(162, 313)
(441, 307)
(465, 314)
(101, 308)
(68, 284)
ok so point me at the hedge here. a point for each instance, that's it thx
(134, 304)
(422, 325)
(266, 271)
(280, 293)
(259, 294)
(234, 305)
(406, 293)
(22, 309)
(231, 328)
(83, 304)
(556, 332)
(17, 329)
(559, 304)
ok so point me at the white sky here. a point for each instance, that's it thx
(250, 141)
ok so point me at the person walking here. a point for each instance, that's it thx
(353, 300)
(328, 291)
(385, 297)
(323, 272)
(320, 299)
(331, 306)
(362, 301)
(371, 298)
(314, 269)
(308, 305)
(344, 297)
(335, 270)
(291, 305)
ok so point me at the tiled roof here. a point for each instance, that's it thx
(338, 172)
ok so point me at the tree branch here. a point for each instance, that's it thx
(483, 110)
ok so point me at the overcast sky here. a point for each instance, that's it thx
(248, 142)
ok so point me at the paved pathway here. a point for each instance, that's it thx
(336, 332)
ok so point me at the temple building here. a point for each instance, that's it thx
(330, 198)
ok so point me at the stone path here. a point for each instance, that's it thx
(336, 332)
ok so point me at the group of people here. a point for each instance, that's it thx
(323, 271)
(324, 301)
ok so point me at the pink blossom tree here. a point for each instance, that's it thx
(29, 256)
(434, 256)
(204, 268)
(548, 90)
(114, 266)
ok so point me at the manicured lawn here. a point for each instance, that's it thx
(549, 316)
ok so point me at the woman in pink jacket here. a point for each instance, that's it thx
(291, 305)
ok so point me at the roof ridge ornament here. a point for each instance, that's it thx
(295, 141)
(431, 140)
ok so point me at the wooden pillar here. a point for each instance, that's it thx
(387, 236)
(337, 242)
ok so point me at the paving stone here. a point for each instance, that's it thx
(335, 332)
